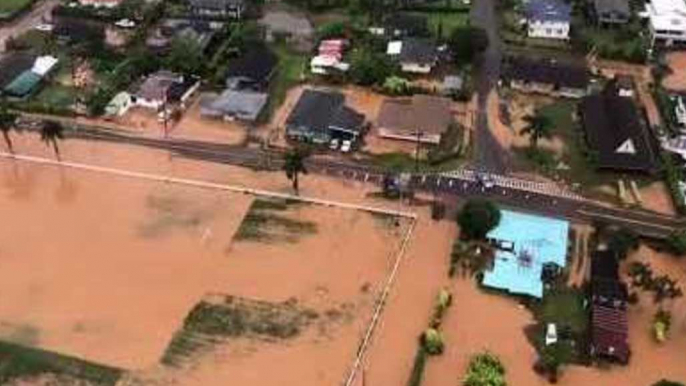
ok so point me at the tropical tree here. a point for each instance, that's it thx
(51, 133)
(466, 42)
(485, 370)
(477, 218)
(294, 164)
(7, 124)
(537, 126)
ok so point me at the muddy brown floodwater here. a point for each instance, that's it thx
(106, 268)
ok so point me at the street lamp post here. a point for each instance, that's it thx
(420, 134)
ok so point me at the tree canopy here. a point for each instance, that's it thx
(368, 68)
(677, 242)
(466, 42)
(485, 370)
(294, 164)
(477, 218)
(185, 56)
(537, 126)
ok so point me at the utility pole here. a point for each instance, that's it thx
(416, 154)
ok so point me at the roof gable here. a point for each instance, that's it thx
(615, 129)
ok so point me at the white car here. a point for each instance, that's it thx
(334, 144)
(551, 334)
(44, 27)
(345, 146)
(125, 23)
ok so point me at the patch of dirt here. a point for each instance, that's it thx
(676, 81)
(656, 197)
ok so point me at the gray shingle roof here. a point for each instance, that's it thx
(319, 111)
(421, 51)
(618, 7)
(245, 105)
(548, 10)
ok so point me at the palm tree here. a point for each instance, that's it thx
(537, 126)
(7, 124)
(51, 132)
(294, 164)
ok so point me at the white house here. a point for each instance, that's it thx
(667, 21)
(417, 56)
(100, 3)
(548, 19)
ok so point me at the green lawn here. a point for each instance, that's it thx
(564, 307)
(57, 96)
(450, 20)
(9, 7)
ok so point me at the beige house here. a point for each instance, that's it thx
(422, 118)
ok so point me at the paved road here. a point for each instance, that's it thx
(489, 154)
(27, 21)
(450, 187)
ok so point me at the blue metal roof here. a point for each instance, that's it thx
(548, 10)
(535, 241)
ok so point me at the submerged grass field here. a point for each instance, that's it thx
(267, 221)
(212, 321)
(23, 362)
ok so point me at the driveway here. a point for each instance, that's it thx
(489, 155)
(27, 21)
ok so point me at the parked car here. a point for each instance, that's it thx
(345, 146)
(334, 144)
(485, 180)
(44, 27)
(551, 334)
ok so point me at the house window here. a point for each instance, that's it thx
(560, 31)
(548, 31)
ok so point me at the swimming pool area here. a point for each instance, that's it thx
(526, 244)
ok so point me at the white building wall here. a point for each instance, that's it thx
(548, 30)
(415, 68)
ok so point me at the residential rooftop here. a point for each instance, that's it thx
(548, 11)
(526, 243)
(546, 71)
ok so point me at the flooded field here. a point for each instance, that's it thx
(110, 269)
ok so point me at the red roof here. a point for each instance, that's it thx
(610, 332)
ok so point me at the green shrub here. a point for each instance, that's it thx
(443, 300)
(485, 370)
(676, 242)
(432, 341)
(661, 325)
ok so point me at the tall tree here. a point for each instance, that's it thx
(537, 126)
(7, 124)
(185, 56)
(466, 42)
(478, 217)
(51, 133)
(294, 165)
